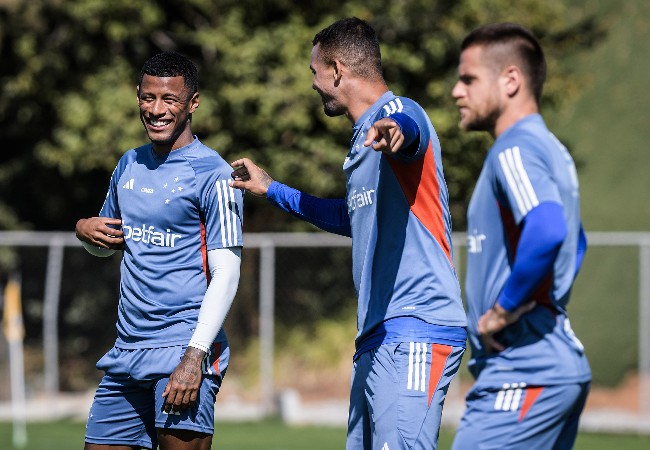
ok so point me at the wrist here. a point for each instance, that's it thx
(193, 353)
(500, 311)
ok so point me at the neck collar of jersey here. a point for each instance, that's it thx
(178, 152)
(530, 118)
(371, 111)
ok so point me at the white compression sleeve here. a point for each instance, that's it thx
(224, 265)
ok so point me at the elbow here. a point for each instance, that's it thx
(555, 236)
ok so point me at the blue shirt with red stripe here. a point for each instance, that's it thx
(174, 208)
(396, 211)
(527, 171)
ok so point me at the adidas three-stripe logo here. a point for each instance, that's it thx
(417, 366)
(518, 181)
(393, 106)
(509, 397)
(129, 184)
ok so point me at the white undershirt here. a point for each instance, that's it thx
(224, 265)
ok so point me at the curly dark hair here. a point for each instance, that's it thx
(172, 64)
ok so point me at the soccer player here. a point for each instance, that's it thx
(411, 333)
(525, 247)
(170, 209)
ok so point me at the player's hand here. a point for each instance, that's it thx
(385, 136)
(495, 320)
(183, 386)
(246, 175)
(96, 231)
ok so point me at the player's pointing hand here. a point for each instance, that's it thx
(385, 135)
(248, 176)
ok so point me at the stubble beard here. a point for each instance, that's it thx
(484, 122)
(331, 107)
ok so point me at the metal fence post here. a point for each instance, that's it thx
(51, 316)
(644, 328)
(267, 303)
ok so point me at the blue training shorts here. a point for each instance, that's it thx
(128, 404)
(397, 395)
(516, 416)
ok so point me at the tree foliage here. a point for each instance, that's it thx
(68, 111)
(69, 69)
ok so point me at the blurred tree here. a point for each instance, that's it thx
(69, 70)
(68, 111)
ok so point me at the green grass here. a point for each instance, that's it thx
(273, 435)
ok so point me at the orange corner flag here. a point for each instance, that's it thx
(12, 318)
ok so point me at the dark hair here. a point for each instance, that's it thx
(172, 64)
(521, 45)
(353, 42)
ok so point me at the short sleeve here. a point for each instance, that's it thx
(524, 179)
(111, 207)
(222, 209)
(416, 113)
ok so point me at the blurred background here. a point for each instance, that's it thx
(68, 111)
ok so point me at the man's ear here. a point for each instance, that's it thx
(338, 71)
(194, 102)
(513, 80)
(137, 92)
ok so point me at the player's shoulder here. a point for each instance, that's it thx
(527, 137)
(136, 152)
(133, 155)
(398, 104)
(207, 162)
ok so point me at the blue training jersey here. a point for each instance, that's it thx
(525, 167)
(396, 211)
(401, 228)
(174, 208)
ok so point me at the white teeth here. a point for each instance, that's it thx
(158, 123)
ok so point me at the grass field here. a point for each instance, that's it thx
(272, 435)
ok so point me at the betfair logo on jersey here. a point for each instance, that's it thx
(147, 234)
(475, 242)
(359, 199)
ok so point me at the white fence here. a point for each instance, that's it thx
(267, 243)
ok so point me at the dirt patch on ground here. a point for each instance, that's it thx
(625, 396)
(313, 389)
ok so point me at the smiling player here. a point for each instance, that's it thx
(169, 207)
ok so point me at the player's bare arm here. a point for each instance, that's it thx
(495, 320)
(98, 232)
(247, 175)
(385, 136)
(184, 383)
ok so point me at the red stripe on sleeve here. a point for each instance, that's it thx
(531, 395)
(439, 355)
(204, 251)
(541, 294)
(216, 348)
(419, 183)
